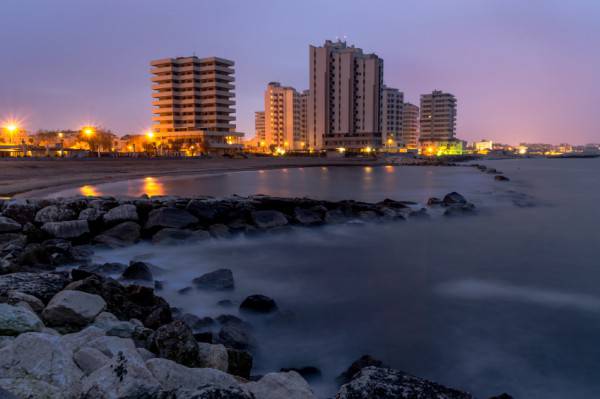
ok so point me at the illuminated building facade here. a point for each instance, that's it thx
(391, 117)
(283, 123)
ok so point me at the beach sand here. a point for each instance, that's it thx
(19, 177)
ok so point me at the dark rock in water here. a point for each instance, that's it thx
(80, 274)
(20, 211)
(335, 216)
(236, 336)
(171, 236)
(356, 366)
(41, 285)
(194, 322)
(105, 268)
(8, 225)
(204, 336)
(258, 304)
(121, 235)
(454, 198)
(170, 217)
(220, 280)
(228, 318)
(310, 373)
(501, 178)
(69, 229)
(175, 341)
(159, 315)
(92, 215)
(491, 171)
(226, 303)
(121, 213)
(502, 396)
(184, 291)
(240, 363)
(307, 216)
(460, 210)
(268, 219)
(207, 212)
(434, 201)
(421, 213)
(158, 285)
(137, 271)
(33, 233)
(219, 230)
(54, 213)
(379, 383)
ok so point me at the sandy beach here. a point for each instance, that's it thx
(23, 177)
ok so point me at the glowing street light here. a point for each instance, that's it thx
(12, 128)
(150, 134)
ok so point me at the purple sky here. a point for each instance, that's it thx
(523, 70)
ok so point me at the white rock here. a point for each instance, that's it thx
(27, 388)
(288, 385)
(90, 359)
(73, 308)
(111, 346)
(15, 320)
(80, 339)
(41, 357)
(173, 376)
(121, 213)
(123, 377)
(145, 354)
(213, 356)
(4, 341)
(113, 326)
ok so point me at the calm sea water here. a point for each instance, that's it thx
(508, 300)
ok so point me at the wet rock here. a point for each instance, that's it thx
(219, 231)
(171, 236)
(104, 269)
(15, 320)
(173, 376)
(239, 363)
(258, 304)
(176, 341)
(15, 297)
(219, 280)
(459, 210)
(213, 356)
(8, 225)
(90, 359)
(453, 198)
(335, 216)
(434, 201)
(20, 211)
(125, 376)
(121, 235)
(170, 217)
(307, 216)
(236, 335)
(69, 229)
(207, 212)
(92, 215)
(356, 366)
(194, 322)
(54, 213)
(268, 219)
(73, 308)
(281, 385)
(137, 271)
(41, 285)
(501, 178)
(420, 214)
(120, 214)
(375, 382)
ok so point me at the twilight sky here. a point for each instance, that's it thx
(522, 70)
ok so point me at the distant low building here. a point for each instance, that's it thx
(483, 146)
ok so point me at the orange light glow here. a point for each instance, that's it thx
(153, 187)
(89, 191)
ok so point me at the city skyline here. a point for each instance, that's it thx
(96, 59)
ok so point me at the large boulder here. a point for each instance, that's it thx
(170, 217)
(453, 198)
(239, 363)
(125, 376)
(20, 210)
(213, 356)
(137, 271)
(54, 213)
(73, 308)
(121, 235)
(121, 213)
(44, 358)
(269, 219)
(307, 216)
(8, 225)
(90, 359)
(115, 327)
(42, 285)
(288, 385)
(68, 229)
(258, 304)
(380, 383)
(15, 320)
(236, 334)
(176, 341)
(221, 279)
(356, 366)
(92, 215)
(171, 236)
(173, 376)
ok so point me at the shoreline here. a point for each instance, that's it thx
(38, 178)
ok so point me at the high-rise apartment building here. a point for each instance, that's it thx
(438, 117)
(259, 126)
(193, 103)
(283, 117)
(410, 126)
(304, 118)
(344, 104)
(391, 117)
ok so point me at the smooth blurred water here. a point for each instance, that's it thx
(508, 300)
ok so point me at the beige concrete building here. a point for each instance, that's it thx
(391, 117)
(283, 127)
(410, 126)
(438, 117)
(344, 104)
(259, 126)
(193, 105)
(304, 117)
